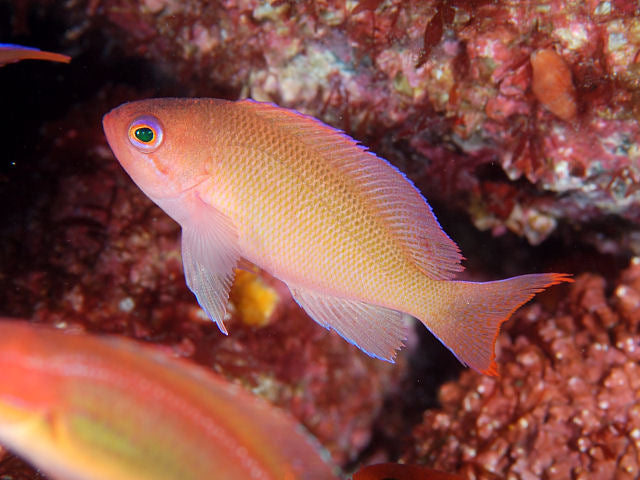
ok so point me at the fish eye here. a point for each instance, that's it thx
(145, 133)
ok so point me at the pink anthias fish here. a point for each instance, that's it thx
(10, 53)
(348, 233)
(84, 407)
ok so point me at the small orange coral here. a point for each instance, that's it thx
(255, 301)
(552, 84)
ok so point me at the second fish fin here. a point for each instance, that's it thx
(378, 331)
(209, 258)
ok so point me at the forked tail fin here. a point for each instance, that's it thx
(470, 323)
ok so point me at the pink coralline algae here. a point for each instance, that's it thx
(567, 403)
(443, 88)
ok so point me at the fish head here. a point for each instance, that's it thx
(164, 144)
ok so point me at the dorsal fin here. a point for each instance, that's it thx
(401, 206)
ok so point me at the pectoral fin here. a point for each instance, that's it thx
(376, 330)
(209, 257)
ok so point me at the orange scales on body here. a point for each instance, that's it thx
(349, 234)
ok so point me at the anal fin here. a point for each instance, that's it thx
(378, 331)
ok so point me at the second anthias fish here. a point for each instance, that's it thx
(350, 235)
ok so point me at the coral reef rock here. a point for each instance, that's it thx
(451, 91)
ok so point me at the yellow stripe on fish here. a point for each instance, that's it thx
(350, 235)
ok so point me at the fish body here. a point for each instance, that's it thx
(85, 407)
(397, 471)
(353, 239)
(10, 53)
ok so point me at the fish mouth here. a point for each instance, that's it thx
(115, 117)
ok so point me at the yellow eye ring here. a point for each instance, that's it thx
(145, 133)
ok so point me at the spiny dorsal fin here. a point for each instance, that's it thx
(401, 206)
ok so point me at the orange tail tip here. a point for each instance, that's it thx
(470, 325)
(10, 53)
